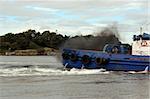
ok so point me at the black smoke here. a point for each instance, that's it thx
(108, 35)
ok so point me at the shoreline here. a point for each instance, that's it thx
(31, 52)
(52, 54)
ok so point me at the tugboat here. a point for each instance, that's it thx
(114, 57)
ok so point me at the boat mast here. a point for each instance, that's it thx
(141, 30)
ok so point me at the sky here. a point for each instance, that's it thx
(75, 17)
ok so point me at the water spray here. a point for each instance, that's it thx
(65, 66)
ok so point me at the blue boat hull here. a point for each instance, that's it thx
(110, 62)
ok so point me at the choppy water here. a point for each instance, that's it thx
(42, 77)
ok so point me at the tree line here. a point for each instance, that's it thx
(31, 39)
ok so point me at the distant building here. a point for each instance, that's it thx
(9, 53)
(49, 51)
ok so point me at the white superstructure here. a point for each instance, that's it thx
(141, 46)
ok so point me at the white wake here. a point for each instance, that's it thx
(48, 71)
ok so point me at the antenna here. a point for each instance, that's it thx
(56, 31)
(141, 30)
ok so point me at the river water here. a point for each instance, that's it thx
(42, 77)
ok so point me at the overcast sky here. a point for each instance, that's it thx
(72, 17)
